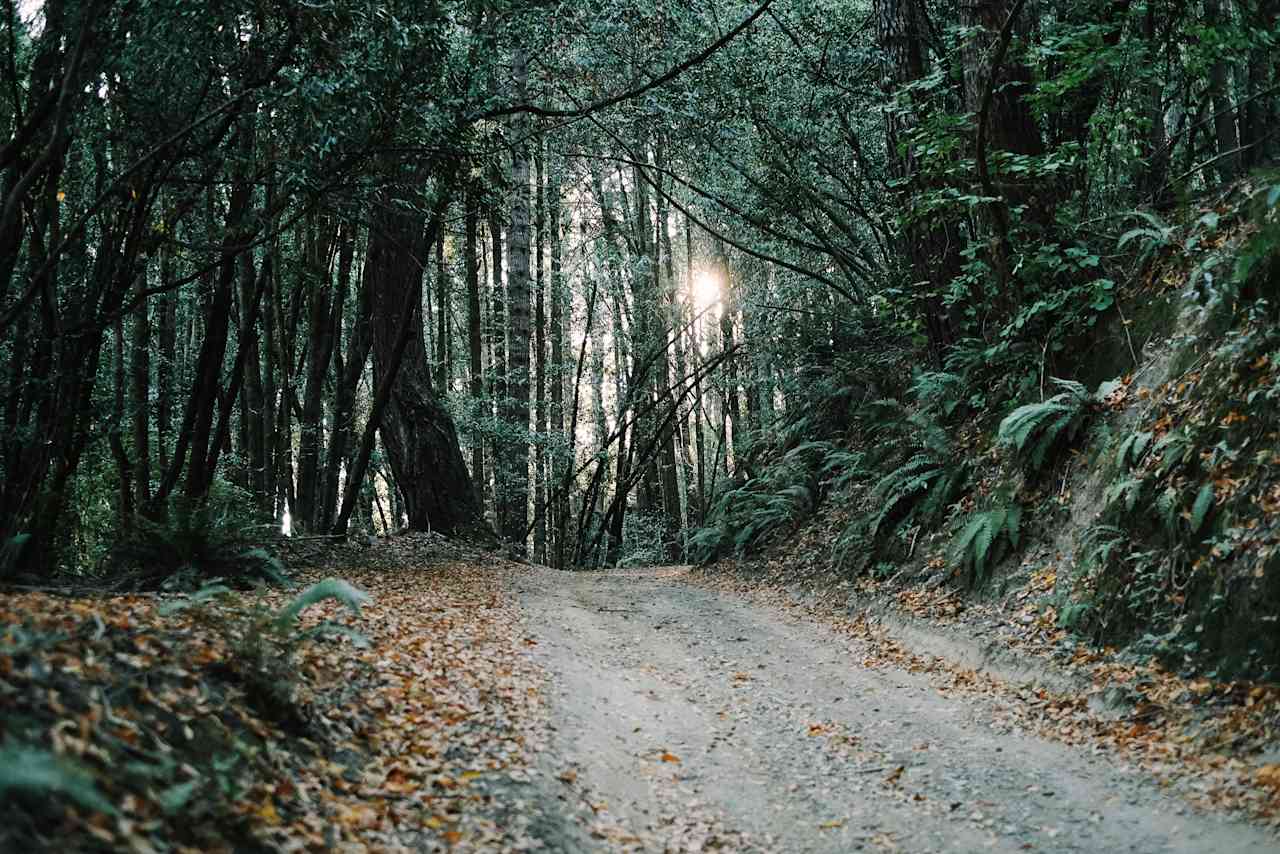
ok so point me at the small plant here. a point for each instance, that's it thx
(939, 393)
(264, 643)
(1037, 431)
(193, 542)
(985, 539)
(39, 774)
(921, 488)
(1155, 235)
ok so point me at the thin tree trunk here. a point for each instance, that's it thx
(561, 459)
(474, 341)
(515, 401)
(541, 494)
(442, 322)
(140, 388)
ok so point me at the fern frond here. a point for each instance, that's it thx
(39, 773)
(985, 539)
(1132, 448)
(331, 588)
(1034, 430)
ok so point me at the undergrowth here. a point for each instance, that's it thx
(1183, 557)
(165, 703)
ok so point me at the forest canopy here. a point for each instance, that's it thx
(594, 277)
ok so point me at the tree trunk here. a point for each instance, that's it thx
(560, 459)
(1224, 119)
(319, 351)
(417, 432)
(540, 492)
(140, 388)
(514, 404)
(474, 341)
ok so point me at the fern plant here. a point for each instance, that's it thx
(39, 774)
(193, 542)
(1154, 235)
(1035, 431)
(264, 642)
(985, 539)
(939, 392)
(921, 488)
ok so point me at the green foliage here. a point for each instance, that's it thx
(193, 542)
(745, 516)
(986, 538)
(1037, 431)
(264, 642)
(918, 476)
(39, 774)
(920, 489)
(336, 589)
(1154, 235)
(939, 393)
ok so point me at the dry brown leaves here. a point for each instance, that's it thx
(402, 745)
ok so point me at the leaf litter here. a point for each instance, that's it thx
(196, 735)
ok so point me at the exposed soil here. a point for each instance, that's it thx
(499, 707)
(687, 719)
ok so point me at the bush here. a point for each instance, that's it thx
(193, 542)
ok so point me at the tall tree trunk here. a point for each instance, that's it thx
(1224, 118)
(217, 316)
(695, 362)
(474, 340)
(515, 402)
(931, 248)
(664, 281)
(319, 351)
(417, 432)
(540, 492)
(167, 315)
(442, 322)
(347, 372)
(253, 400)
(562, 458)
(140, 393)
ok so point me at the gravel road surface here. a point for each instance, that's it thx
(686, 719)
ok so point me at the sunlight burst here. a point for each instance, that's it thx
(706, 289)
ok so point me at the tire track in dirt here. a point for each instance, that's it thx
(687, 719)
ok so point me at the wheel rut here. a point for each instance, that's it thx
(687, 719)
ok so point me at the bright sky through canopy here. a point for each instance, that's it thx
(705, 290)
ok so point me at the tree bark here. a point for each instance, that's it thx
(417, 432)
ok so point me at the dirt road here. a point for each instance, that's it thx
(686, 719)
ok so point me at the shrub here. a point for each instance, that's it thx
(193, 542)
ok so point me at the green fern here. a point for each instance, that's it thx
(1132, 449)
(1156, 235)
(1124, 494)
(938, 392)
(1035, 430)
(331, 588)
(921, 488)
(40, 774)
(985, 539)
(193, 542)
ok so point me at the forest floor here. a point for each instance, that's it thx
(501, 707)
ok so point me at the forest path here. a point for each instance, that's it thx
(688, 719)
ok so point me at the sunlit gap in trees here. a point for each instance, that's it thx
(705, 292)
